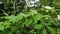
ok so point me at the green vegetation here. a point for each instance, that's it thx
(17, 18)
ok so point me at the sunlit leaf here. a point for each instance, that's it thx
(37, 17)
(2, 26)
(28, 22)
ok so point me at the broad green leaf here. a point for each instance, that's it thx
(1, 23)
(7, 24)
(38, 26)
(44, 31)
(2, 28)
(28, 22)
(37, 17)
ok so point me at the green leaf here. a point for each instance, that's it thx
(37, 17)
(11, 18)
(32, 32)
(53, 31)
(38, 26)
(51, 21)
(9, 32)
(28, 22)
(58, 30)
(44, 31)
(2, 26)
(1, 23)
(7, 24)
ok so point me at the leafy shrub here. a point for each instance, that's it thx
(29, 20)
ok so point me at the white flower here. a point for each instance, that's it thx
(36, 0)
(48, 7)
(0, 2)
(58, 16)
(31, 3)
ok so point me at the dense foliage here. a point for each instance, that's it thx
(16, 17)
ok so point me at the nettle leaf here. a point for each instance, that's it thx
(38, 26)
(37, 17)
(53, 31)
(2, 26)
(44, 31)
(28, 22)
